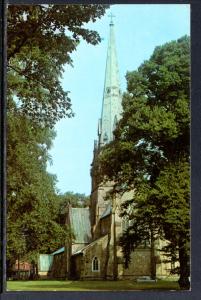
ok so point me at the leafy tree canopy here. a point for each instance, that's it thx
(150, 153)
(70, 199)
(40, 41)
(31, 208)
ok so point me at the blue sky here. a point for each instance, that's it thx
(138, 29)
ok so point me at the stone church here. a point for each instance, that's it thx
(93, 252)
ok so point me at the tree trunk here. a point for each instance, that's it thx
(68, 254)
(153, 260)
(18, 268)
(107, 256)
(107, 253)
(184, 282)
(36, 270)
(115, 265)
(113, 237)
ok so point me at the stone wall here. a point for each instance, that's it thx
(105, 225)
(140, 265)
(163, 268)
(98, 204)
(76, 266)
(82, 263)
(58, 269)
(96, 249)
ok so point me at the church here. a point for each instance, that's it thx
(93, 252)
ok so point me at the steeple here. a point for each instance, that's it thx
(111, 105)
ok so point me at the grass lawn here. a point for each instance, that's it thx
(67, 285)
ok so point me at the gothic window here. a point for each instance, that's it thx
(95, 264)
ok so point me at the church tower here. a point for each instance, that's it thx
(110, 115)
(111, 105)
(96, 250)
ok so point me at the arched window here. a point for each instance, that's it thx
(95, 264)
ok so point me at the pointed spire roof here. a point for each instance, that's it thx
(111, 105)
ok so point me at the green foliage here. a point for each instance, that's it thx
(70, 199)
(151, 150)
(172, 191)
(31, 208)
(40, 41)
(73, 199)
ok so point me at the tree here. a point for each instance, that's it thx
(150, 153)
(72, 199)
(31, 208)
(40, 41)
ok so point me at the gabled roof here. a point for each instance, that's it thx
(80, 251)
(59, 251)
(80, 223)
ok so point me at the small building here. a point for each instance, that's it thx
(20, 270)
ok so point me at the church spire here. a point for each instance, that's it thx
(111, 105)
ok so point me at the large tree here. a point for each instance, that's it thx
(41, 39)
(150, 153)
(31, 208)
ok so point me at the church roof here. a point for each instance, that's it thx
(59, 251)
(80, 251)
(80, 223)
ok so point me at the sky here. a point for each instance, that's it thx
(138, 30)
